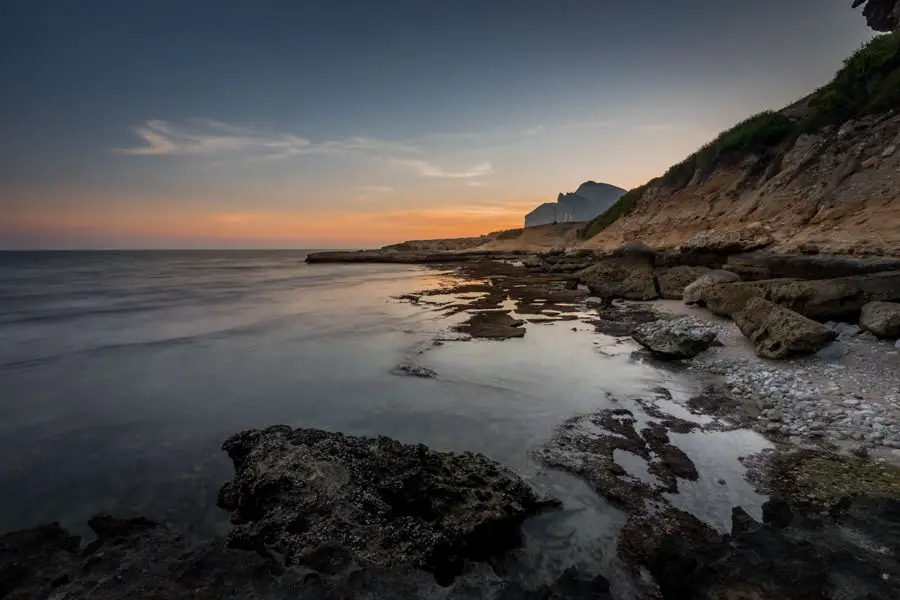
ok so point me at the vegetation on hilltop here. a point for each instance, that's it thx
(868, 83)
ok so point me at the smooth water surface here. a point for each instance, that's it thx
(122, 373)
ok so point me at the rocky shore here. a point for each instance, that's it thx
(318, 514)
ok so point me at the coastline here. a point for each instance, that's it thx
(497, 300)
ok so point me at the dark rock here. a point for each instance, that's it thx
(326, 500)
(795, 559)
(634, 249)
(821, 299)
(881, 15)
(571, 284)
(882, 319)
(767, 265)
(492, 325)
(777, 513)
(388, 255)
(414, 371)
(675, 338)
(620, 319)
(132, 558)
(46, 563)
(586, 446)
(695, 293)
(777, 332)
(672, 281)
(630, 277)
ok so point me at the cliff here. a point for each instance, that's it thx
(590, 200)
(822, 172)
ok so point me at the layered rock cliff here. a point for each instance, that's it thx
(591, 199)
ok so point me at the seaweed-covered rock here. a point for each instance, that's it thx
(675, 338)
(672, 281)
(325, 500)
(777, 332)
(882, 319)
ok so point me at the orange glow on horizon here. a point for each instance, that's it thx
(333, 228)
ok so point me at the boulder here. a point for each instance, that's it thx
(325, 500)
(675, 338)
(736, 241)
(882, 319)
(628, 277)
(695, 293)
(777, 332)
(634, 248)
(672, 281)
(837, 299)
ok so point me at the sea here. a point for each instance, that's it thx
(121, 374)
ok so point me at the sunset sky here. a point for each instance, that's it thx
(326, 123)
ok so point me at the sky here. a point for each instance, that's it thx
(347, 123)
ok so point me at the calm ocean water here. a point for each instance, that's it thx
(121, 373)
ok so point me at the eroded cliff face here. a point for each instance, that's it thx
(837, 189)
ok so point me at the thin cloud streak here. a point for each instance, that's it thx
(209, 137)
(431, 170)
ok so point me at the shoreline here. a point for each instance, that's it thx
(501, 300)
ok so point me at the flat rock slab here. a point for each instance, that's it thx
(325, 500)
(820, 299)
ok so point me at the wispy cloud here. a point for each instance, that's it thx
(371, 192)
(534, 130)
(587, 124)
(431, 170)
(209, 137)
(475, 183)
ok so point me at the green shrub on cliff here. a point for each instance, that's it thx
(869, 82)
(751, 136)
(621, 208)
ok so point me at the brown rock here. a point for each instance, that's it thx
(695, 293)
(882, 319)
(777, 332)
(626, 277)
(820, 299)
(745, 239)
(672, 281)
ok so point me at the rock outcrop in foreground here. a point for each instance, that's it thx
(325, 500)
